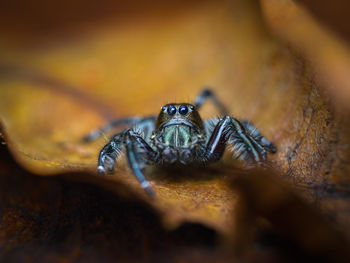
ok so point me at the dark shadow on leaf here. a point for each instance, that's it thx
(85, 219)
(198, 173)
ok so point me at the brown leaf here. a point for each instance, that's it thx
(266, 203)
(74, 217)
(330, 56)
(56, 89)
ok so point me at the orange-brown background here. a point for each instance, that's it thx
(67, 68)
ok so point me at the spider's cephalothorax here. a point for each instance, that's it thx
(179, 136)
(179, 133)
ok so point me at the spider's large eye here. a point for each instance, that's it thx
(171, 110)
(183, 109)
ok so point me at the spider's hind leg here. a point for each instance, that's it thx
(206, 94)
(130, 121)
(255, 133)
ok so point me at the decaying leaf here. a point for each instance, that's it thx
(56, 89)
(267, 203)
(74, 217)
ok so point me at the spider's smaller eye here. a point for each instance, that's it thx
(171, 110)
(183, 109)
(191, 108)
(163, 109)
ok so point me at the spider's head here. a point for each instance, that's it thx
(179, 114)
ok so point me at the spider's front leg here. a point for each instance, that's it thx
(109, 153)
(247, 142)
(138, 153)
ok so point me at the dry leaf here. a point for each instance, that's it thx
(55, 89)
(268, 204)
(77, 218)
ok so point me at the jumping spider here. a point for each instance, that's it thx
(179, 136)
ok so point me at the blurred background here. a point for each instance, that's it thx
(67, 68)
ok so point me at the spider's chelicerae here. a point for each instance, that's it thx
(179, 136)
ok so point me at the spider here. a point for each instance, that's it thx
(178, 136)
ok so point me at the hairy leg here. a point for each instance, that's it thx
(209, 94)
(230, 131)
(95, 134)
(138, 153)
(255, 133)
(109, 153)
